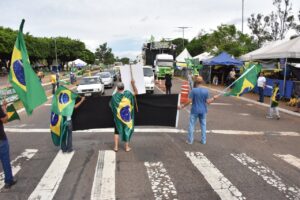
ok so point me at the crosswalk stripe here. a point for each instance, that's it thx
(162, 186)
(16, 165)
(268, 175)
(292, 160)
(49, 183)
(221, 185)
(104, 178)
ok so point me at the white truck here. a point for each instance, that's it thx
(164, 64)
(149, 79)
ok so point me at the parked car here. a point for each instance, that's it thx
(91, 85)
(106, 78)
(113, 73)
(149, 79)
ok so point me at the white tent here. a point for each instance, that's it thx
(203, 56)
(183, 55)
(264, 49)
(77, 63)
(288, 49)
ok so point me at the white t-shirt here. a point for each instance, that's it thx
(261, 81)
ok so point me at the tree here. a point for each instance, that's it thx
(259, 27)
(297, 26)
(104, 54)
(125, 60)
(179, 45)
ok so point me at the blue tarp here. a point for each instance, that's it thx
(223, 59)
(288, 88)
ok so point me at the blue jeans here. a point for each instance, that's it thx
(66, 144)
(4, 157)
(193, 120)
(261, 94)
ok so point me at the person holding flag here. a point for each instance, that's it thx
(274, 102)
(199, 98)
(122, 106)
(4, 149)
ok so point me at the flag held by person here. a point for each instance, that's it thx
(63, 101)
(12, 113)
(22, 77)
(122, 106)
(246, 82)
(58, 128)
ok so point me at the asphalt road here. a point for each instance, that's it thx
(246, 157)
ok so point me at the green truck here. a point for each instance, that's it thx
(164, 63)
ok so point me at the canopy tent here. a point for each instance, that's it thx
(223, 59)
(77, 63)
(264, 49)
(183, 55)
(203, 56)
(287, 49)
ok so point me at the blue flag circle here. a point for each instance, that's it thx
(63, 98)
(125, 114)
(19, 72)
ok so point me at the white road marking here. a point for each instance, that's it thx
(160, 89)
(221, 104)
(268, 175)
(104, 178)
(49, 183)
(244, 114)
(236, 132)
(220, 184)
(292, 160)
(161, 184)
(16, 163)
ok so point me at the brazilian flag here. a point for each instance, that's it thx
(22, 77)
(122, 105)
(12, 113)
(58, 128)
(246, 82)
(63, 101)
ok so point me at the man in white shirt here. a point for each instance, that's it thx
(261, 84)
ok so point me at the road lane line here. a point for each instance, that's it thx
(221, 104)
(292, 160)
(104, 178)
(220, 184)
(161, 184)
(236, 132)
(16, 163)
(49, 183)
(268, 175)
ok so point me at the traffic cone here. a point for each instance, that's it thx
(184, 92)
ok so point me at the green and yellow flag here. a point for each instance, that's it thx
(58, 128)
(22, 77)
(63, 101)
(12, 113)
(122, 106)
(246, 82)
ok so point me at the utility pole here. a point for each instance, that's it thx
(242, 16)
(183, 28)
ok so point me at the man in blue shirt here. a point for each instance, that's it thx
(199, 98)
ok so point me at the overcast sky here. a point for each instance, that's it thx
(126, 24)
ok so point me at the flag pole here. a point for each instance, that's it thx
(137, 108)
(246, 72)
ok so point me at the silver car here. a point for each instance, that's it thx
(106, 78)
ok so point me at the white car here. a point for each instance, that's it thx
(106, 78)
(91, 85)
(149, 79)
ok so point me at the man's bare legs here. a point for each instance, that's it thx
(127, 148)
(116, 139)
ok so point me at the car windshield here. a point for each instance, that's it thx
(105, 75)
(87, 81)
(148, 72)
(165, 63)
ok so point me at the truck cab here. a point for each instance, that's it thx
(163, 64)
(149, 79)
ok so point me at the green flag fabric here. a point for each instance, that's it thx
(63, 101)
(122, 105)
(246, 82)
(58, 128)
(22, 77)
(12, 113)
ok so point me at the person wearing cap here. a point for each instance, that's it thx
(120, 93)
(199, 98)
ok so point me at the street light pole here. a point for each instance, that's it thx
(242, 16)
(183, 27)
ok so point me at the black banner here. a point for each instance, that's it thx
(153, 110)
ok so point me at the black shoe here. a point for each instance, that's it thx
(8, 185)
